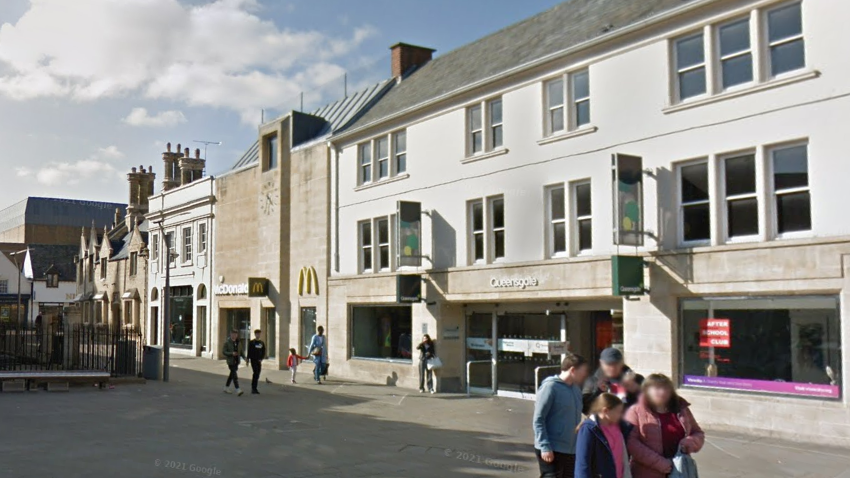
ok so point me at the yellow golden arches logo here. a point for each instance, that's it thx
(258, 287)
(308, 281)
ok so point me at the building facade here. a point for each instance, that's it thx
(735, 109)
(51, 271)
(15, 288)
(53, 220)
(180, 221)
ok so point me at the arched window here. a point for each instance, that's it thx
(154, 294)
(202, 292)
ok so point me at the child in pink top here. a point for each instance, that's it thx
(292, 363)
(601, 442)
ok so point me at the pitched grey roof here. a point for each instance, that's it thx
(564, 26)
(338, 115)
(53, 258)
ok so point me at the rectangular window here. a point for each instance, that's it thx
(155, 247)
(581, 98)
(736, 57)
(476, 132)
(695, 211)
(382, 332)
(202, 237)
(4, 286)
(365, 153)
(785, 39)
(382, 154)
(555, 106)
(583, 222)
(770, 345)
(270, 328)
(154, 340)
(272, 151)
(557, 221)
(366, 246)
(497, 227)
(495, 107)
(53, 280)
(134, 263)
(476, 230)
(103, 263)
(741, 200)
(171, 246)
(383, 244)
(203, 328)
(400, 150)
(187, 244)
(791, 189)
(690, 66)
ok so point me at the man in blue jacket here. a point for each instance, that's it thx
(557, 414)
(319, 352)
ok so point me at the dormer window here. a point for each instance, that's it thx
(52, 280)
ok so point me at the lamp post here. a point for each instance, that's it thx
(166, 305)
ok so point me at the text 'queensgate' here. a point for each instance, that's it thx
(519, 282)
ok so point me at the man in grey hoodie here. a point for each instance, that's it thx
(557, 415)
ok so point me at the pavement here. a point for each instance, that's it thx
(189, 428)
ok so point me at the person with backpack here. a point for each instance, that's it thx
(601, 441)
(318, 351)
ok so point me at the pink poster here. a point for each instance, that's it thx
(786, 388)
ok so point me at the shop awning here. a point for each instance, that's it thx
(131, 294)
(82, 297)
(99, 296)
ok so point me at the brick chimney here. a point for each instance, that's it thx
(191, 169)
(141, 187)
(170, 162)
(408, 57)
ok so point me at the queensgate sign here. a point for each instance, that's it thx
(514, 282)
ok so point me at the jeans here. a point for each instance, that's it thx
(317, 372)
(293, 370)
(562, 467)
(423, 372)
(233, 377)
(256, 366)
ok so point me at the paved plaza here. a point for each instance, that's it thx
(189, 428)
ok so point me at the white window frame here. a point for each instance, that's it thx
(774, 194)
(680, 203)
(493, 125)
(486, 129)
(365, 250)
(4, 286)
(576, 220)
(552, 110)
(551, 222)
(365, 170)
(373, 165)
(187, 244)
(471, 132)
(568, 93)
(396, 153)
(381, 160)
(473, 233)
(726, 199)
(155, 247)
(378, 264)
(720, 58)
(677, 71)
(492, 230)
(171, 253)
(575, 100)
(764, 36)
(202, 237)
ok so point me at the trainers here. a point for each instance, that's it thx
(227, 390)
(293, 380)
(239, 392)
(255, 392)
(433, 391)
(421, 390)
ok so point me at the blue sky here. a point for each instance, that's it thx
(90, 88)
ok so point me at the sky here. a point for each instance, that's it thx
(91, 88)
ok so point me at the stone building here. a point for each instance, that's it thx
(112, 266)
(53, 220)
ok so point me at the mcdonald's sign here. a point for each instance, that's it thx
(308, 281)
(258, 287)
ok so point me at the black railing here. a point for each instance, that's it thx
(72, 347)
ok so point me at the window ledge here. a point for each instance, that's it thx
(483, 156)
(569, 134)
(384, 360)
(768, 85)
(373, 184)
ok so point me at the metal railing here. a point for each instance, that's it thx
(75, 347)
(537, 374)
(469, 364)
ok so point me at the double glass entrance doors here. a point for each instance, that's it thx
(505, 352)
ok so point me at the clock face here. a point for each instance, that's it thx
(268, 198)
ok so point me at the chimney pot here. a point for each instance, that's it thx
(168, 147)
(150, 168)
(186, 153)
(406, 57)
(178, 147)
(197, 153)
(133, 169)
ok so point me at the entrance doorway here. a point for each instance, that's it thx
(308, 328)
(239, 319)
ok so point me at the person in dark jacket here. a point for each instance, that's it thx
(426, 351)
(256, 355)
(232, 354)
(607, 379)
(601, 443)
(632, 382)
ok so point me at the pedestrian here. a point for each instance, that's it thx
(256, 355)
(426, 352)
(607, 379)
(601, 441)
(292, 363)
(232, 354)
(664, 425)
(632, 383)
(557, 414)
(319, 353)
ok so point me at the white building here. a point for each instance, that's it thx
(182, 217)
(738, 110)
(14, 307)
(51, 271)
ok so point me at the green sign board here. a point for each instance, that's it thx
(258, 287)
(408, 288)
(627, 275)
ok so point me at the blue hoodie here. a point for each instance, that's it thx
(557, 414)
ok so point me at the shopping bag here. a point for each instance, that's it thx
(434, 363)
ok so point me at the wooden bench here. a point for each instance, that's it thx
(56, 380)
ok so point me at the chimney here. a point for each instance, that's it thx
(191, 169)
(408, 57)
(117, 217)
(170, 160)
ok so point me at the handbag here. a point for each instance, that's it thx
(316, 351)
(434, 363)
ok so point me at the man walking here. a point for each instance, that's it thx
(557, 414)
(607, 379)
(319, 353)
(232, 354)
(256, 355)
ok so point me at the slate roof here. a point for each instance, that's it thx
(53, 258)
(338, 114)
(566, 25)
(58, 212)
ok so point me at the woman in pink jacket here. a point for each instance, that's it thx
(663, 425)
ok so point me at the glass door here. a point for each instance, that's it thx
(523, 350)
(308, 328)
(479, 353)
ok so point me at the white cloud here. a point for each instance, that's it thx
(221, 54)
(110, 152)
(23, 172)
(140, 117)
(97, 167)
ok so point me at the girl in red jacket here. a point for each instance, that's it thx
(292, 362)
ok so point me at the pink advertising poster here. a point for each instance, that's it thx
(765, 386)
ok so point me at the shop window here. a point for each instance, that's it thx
(308, 328)
(381, 332)
(203, 328)
(695, 208)
(742, 218)
(181, 321)
(270, 327)
(777, 345)
(792, 201)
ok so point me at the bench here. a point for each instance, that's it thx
(56, 380)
